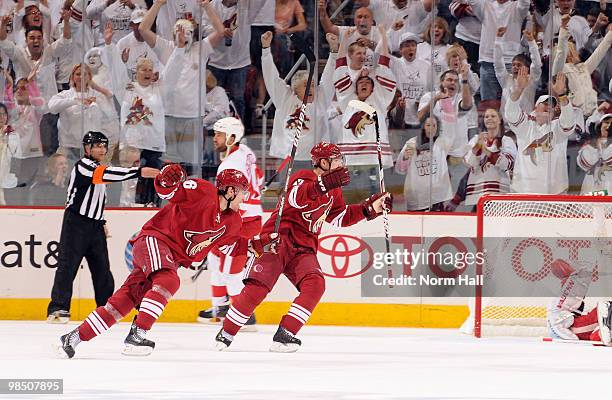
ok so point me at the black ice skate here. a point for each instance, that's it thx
(136, 344)
(250, 325)
(223, 340)
(214, 315)
(58, 317)
(284, 342)
(604, 318)
(68, 343)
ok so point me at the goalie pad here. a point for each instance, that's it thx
(604, 319)
(559, 324)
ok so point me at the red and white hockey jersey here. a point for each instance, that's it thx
(596, 161)
(305, 211)
(358, 141)
(191, 224)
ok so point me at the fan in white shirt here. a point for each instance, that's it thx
(595, 158)
(132, 47)
(439, 41)
(118, 12)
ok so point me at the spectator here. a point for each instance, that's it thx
(541, 162)
(550, 19)
(263, 22)
(423, 161)
(567, 59)
(117, 12)
(440, 43)
(467, 30)
(230, 61)
(26, 110)
(414, 15)
(451, 106)
(363, 32)
(413, 79)
(183, 125)
(359, 137)
(492, 15)
(173, 11)
(288, 101)
(287, 12)
(50, 189)
(456, 57)
(491, 160)
(83, 108)
(132, 47)
(9, 145)
(31, 14)
(217, 107)
(507, 80)
(595, 158)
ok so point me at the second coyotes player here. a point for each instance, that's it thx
(314, 196)
(198, 217)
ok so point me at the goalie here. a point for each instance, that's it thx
(565, 316)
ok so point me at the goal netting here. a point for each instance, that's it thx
(521, 235)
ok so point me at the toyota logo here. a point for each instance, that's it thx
(339, 250)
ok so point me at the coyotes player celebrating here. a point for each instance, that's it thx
(565, 316)
(198, 217)
(314, 196)
(226, 270)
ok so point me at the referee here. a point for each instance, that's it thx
(83, 233)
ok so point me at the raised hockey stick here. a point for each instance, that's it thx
(371, 111)
(302, 46)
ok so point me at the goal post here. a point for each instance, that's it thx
(516, 222)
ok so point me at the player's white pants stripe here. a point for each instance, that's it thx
(249, 265)
(96, 323)
(151, 307)
(298, 312)
(153, 253)
(236, 316)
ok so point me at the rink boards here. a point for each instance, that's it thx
(28, 256)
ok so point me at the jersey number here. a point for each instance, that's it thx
(189, 184)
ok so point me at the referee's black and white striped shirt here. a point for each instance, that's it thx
(87, 189)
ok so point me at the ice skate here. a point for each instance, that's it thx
(213, 316)
(58, 317)
(250, 325)
(604, 317)
(136, 344)
(284, 342)
(222, 340)
(68, 343)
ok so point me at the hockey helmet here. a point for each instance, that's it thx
(230, 126)
(325, 150)
(232, 178)
(93, 137)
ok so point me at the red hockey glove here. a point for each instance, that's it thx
(332, 179)
(171, 175)
(264, 242)
(368, 205)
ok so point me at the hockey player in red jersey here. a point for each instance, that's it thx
(314, 196)
(566, 317)
(199, 216)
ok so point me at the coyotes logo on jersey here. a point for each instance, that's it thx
(201, 240)
(231, 23)
(545, 143)
(358, 122)
(292, 120)
(139, 113)
(317, 216)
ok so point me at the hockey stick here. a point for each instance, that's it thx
(310, 56)
(278, 171)
(371, 111)
(200, 268)
(579, 342)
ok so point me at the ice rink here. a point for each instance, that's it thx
(333, 363)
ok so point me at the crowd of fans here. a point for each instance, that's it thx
(475, 96)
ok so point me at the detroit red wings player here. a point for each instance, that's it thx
(225, 270)
(314, 196)
(198, 217)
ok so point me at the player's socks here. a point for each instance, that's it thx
(165, 283)
(312, 288)
(241, 309)
(98, 322)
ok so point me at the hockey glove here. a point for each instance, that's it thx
(369, 211)
(332, 179)
(171, 175)
(264, 242)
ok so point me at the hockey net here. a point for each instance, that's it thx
(517, 225)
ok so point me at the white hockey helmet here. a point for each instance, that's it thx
(230, 126)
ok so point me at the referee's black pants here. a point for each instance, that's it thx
(81, 237)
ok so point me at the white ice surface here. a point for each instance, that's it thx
(333, 363)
